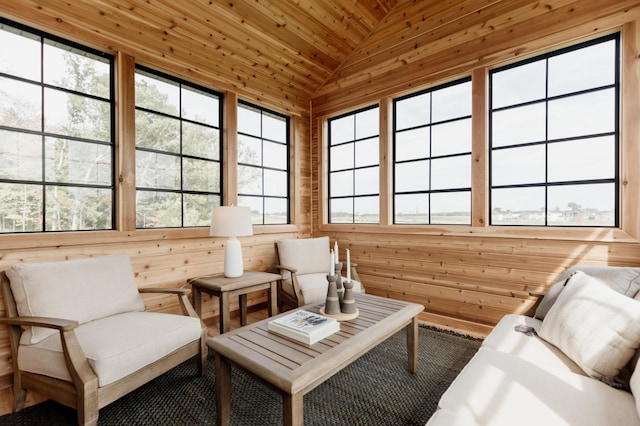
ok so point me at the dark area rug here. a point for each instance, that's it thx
(376, 390)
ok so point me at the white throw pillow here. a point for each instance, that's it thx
(82, 290)
(595, 326)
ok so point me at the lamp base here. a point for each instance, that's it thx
(233, 267)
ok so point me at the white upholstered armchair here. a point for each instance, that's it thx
(304, 264)
(80, 334)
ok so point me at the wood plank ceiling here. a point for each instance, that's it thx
(278, 50)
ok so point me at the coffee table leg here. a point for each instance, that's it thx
(243, 309)
(412, 345)
(293, 409)
(223, 391)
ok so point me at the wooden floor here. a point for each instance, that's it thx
(213, 327)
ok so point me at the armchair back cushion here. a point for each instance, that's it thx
(307, 255)
(82, 290)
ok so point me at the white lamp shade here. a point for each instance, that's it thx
(231, 221)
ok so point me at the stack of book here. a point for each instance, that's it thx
(304, 326)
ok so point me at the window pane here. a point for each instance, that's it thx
(200, 175)
(275, 183)
(451, 172)
(74, 115)
(20, 155)
(157, 94)
(197, 209)
(367, 210)
(22, 207)
(582, 69)
(582, 205)
(367, 181)
(249, 121)
(520, 84)
(75, 70)
(341, 210)
(412, 144)
(21, 104)
(367, 123)
(514, 166)
(249, 150)
(519, 125)
(451, 138)
(342, 129)
(341, 183)
(200, 106)
(411, 208)
(157, 132)
(275, 211)
(452, 102)
(413, 176)
(274, 127)
(518, 206)
(582, 159)
(452, 208)
(158, 209)
(249, 180)
(71, 208)
(591, 113)
(20, 53)
(412, 112)
(367, 152)
(159, 171)
(200, 141)
(342, 157)
(275, 155)
(77, 162)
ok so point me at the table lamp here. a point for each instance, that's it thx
(232, 222)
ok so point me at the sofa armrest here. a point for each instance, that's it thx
(287, 268)
(182, 293)
(55, 323)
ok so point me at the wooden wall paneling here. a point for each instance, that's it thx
(230, 150)
(386, 161)
(630, 129)
(480, 148)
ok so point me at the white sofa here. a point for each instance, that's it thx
(520, 377)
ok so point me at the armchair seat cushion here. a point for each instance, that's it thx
(141, 338)
(314, 287)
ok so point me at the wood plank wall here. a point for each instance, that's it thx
(468, 277)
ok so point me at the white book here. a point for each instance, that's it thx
(304, 326)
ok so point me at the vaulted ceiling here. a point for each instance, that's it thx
(279, 48)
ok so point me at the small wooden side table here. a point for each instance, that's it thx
(223, 287)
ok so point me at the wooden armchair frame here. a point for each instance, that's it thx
(83, 393)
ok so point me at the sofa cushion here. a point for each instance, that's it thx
(623, 279)
(449, 418)
(82, 290)
(595, 326)
(634, 385)
(532, 348)
(115, 346)
(496, 388)
(307, 255)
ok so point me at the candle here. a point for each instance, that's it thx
(332, 268)
(348, 266)
(336, 251)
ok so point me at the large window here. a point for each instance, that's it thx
(554, 138)
(56, 134)
(432, 156)
(263, 164)
(354, 167)
(178, 151)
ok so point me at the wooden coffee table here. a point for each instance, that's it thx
(295, 368)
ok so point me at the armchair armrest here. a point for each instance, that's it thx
(75, 358)
(182, 293)
(287, 268)
(538, 294)
(56, 323)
